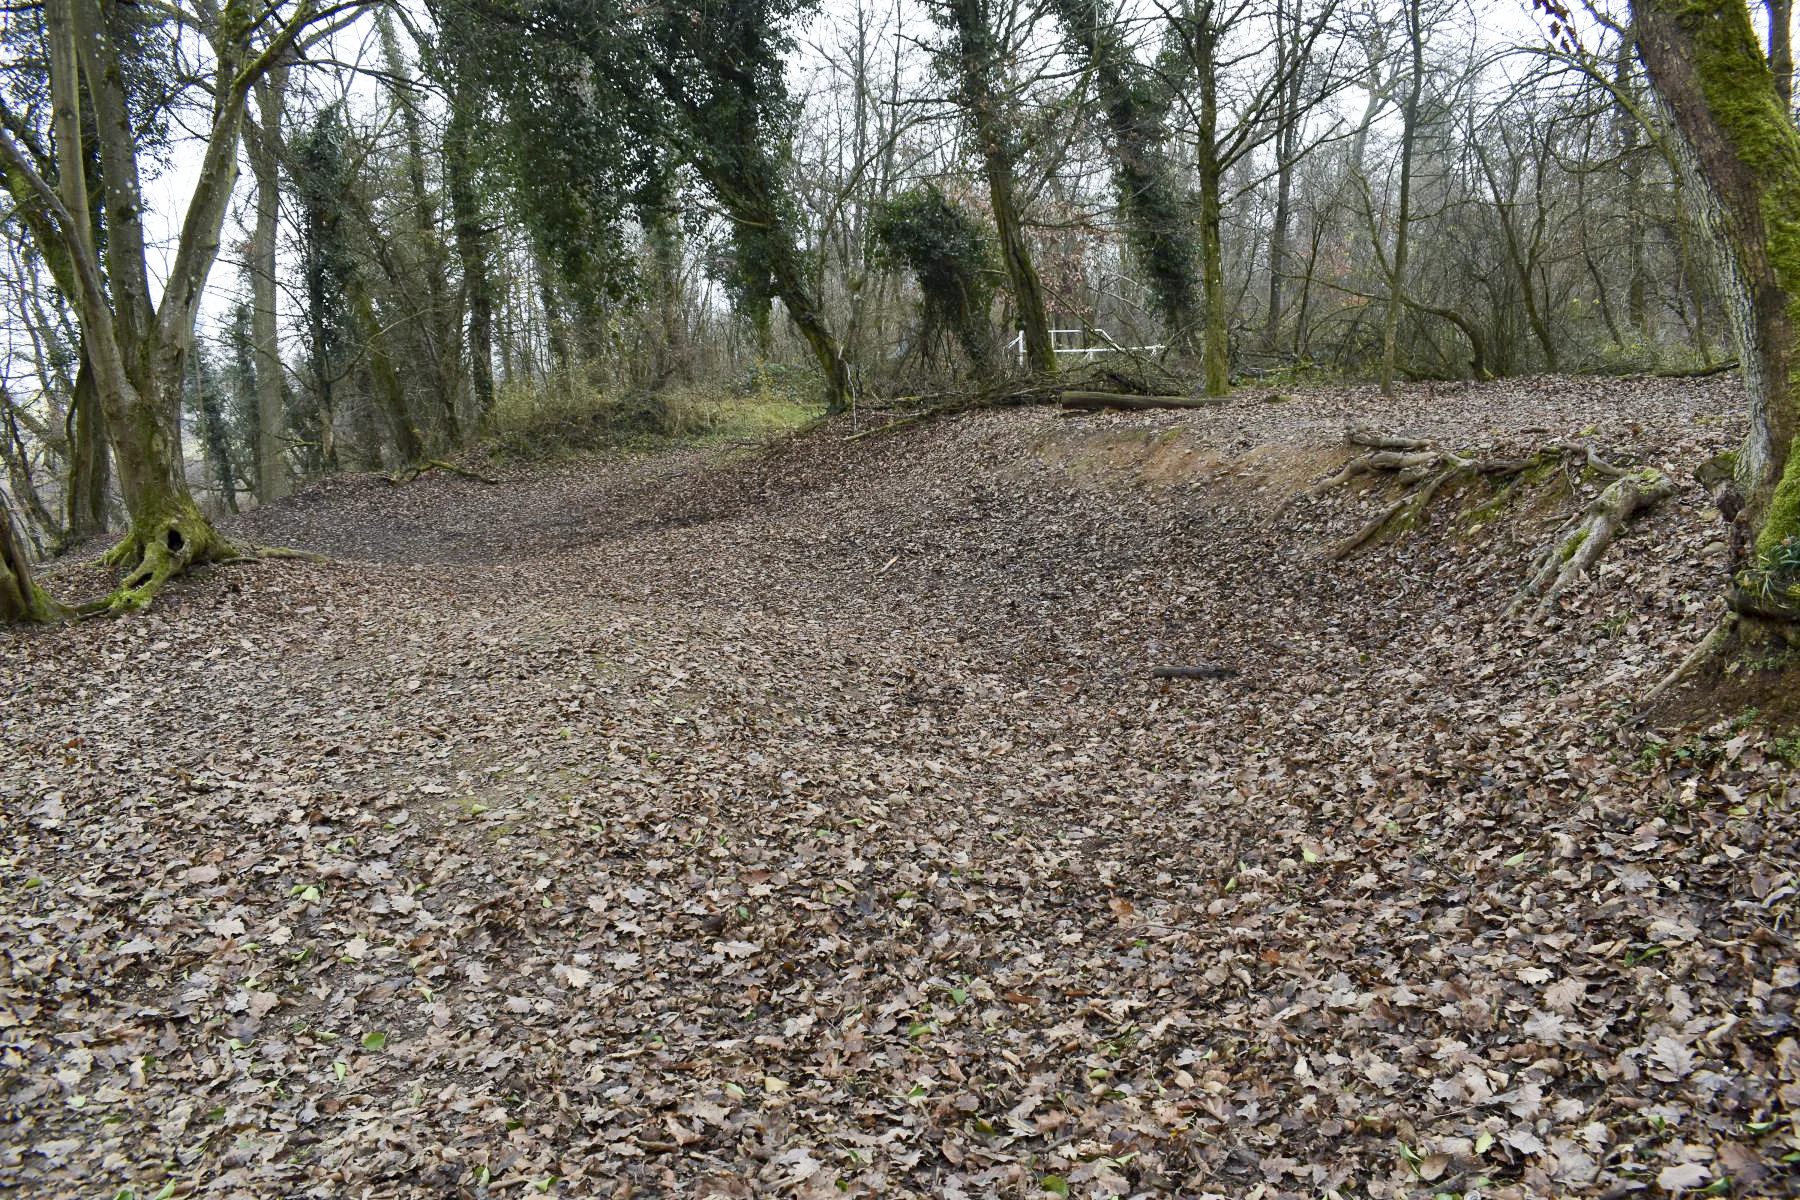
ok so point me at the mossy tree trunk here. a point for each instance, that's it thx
(139, 347)
(20, 597)
(1743, 150)
(975, 58)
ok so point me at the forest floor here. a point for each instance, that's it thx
(805, 822)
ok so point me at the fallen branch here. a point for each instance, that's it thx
(1698, 372)
(1098, 400)
(1576, 552)
(414, 471)
(1199, 671)
(893, 425)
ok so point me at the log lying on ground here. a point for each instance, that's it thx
(1576, 552)
(413, 471)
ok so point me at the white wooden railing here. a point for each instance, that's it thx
(1085, 353)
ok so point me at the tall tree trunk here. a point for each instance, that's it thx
(1781, 49)
(977, 66)
(1743, 152)
(90, 474)
(1015, 252)
(1390, 327)
(1291, 64)
(1210, 176)
(471, 247)
(388, 391)
(262, 141)
(438, 327)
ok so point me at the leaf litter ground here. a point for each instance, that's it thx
(806, 822)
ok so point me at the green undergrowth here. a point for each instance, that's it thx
(564, 416)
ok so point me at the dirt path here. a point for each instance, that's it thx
(807, 823)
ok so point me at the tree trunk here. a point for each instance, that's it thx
(21, 599)
(438, 326)
(388, 391)
(90, 474)
(1153, 205)
(1781, 49)
(1028, 290)
(976, 61)
(1402, 217)
(796, 296)
(471, 248)
(1210, 174)
(262, 139)
(1743, 151)
(1287, 138)
(139, 349)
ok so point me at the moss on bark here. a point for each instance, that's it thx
(21, 599)
(1707, 64)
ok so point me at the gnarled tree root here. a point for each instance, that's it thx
(157, 550)
(1411, 461)
(129, 598)
(1576, 552)
(1428, 470)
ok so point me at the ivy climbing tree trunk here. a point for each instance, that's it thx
(1743, 153)
(974, 59)
(1153, 206)
(471, 244)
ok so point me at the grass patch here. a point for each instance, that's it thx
(564, 415)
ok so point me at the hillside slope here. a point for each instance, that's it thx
(808, 822)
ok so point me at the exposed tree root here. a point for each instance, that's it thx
(1698, 658)
(414, 471)
(1412, 462)
(161, 563)
(157, 550)
(1576, 552)
(1427, 471)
